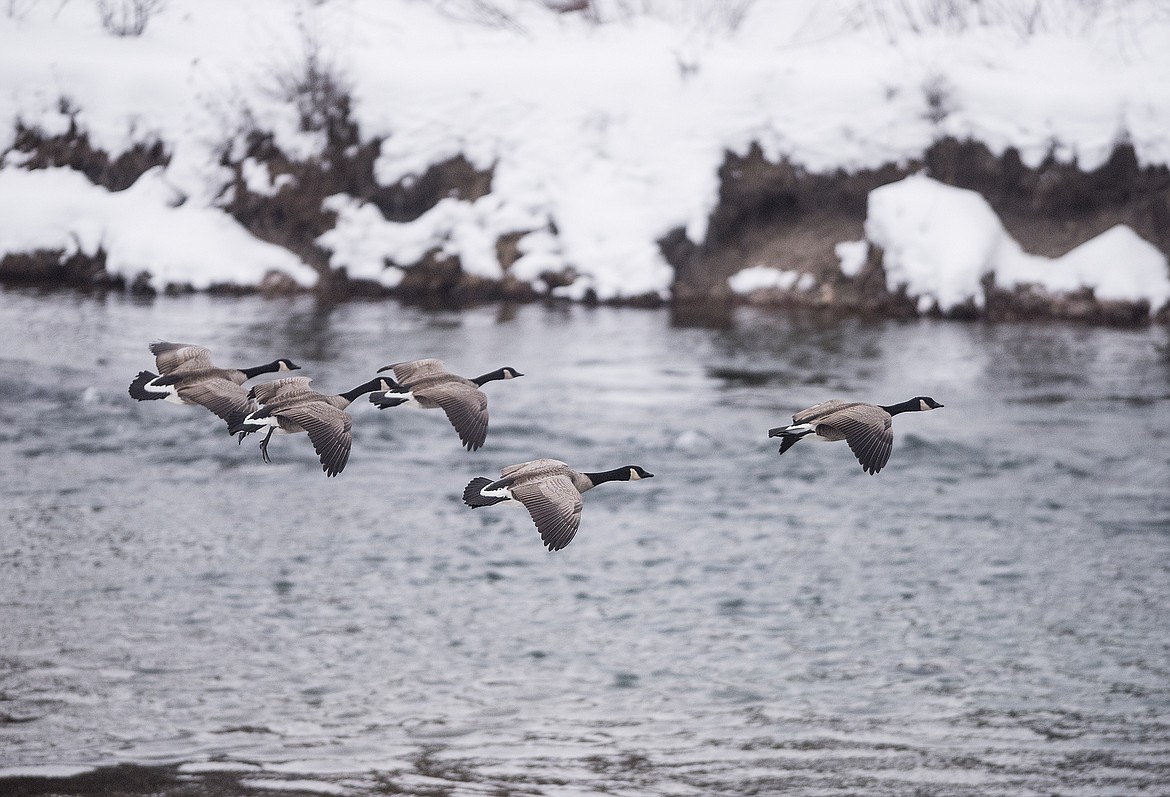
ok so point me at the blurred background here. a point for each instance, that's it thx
(683, 222)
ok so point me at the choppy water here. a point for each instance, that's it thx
(988, 616)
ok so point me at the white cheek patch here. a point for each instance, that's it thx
(634, 475)
(922, 406)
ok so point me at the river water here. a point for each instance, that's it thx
(990, 615)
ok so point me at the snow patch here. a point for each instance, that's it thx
(940, 242)
(147, 227)
(45, 771)
(770, 278)
(852, 255)
(317, 786)
(612, 156)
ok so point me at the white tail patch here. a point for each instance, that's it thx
(170, 391)
(253, 424)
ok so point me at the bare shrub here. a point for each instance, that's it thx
(937, 93)
(1025, 18)
(127, 17)
(317, 87)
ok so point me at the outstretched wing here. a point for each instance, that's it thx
(821, 410)
(330, 430)
(222, 396)
(555, 506)
(180, 358)
(536, 467)
(281, 389)
(869, 433)
(410, 372)
(466, 408)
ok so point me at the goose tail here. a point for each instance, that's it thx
(790, 435)
(145, 388)
(386, 400)
(473, 494)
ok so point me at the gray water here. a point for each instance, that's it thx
(990, 615)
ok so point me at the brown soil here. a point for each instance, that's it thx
(771, 213)
(779, 214)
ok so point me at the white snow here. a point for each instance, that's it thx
(768, 277)
(44, 771)
(601, 136)
(317, 786)
(144, 228)
(852, 255)
(940, 242)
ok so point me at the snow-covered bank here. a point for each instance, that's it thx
(599, 139)
(941, 244)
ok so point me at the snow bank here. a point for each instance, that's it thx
(601, 138)
(940, 242)
(769, 278)
(141, 229)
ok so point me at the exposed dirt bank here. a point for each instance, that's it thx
(769, 213)
(776, 213)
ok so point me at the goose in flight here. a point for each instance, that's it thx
(429, 385)
(291, 406)
(551, 492)
(186, 375)
(867, 428)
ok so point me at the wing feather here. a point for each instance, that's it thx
(222, 396)
(409, 372)
(466, 409)
(821, 411)
(869, 432)
(329, 428)
(280, 390)
(180, 358)
(555, 506)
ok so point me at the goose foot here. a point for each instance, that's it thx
(264, 446)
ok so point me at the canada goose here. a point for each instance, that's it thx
(551, 492)
(429, 385)
(866, 427)
(189, 377)
(291, 406)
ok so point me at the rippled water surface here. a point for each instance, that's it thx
(988, 616)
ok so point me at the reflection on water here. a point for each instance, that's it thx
(986, 616)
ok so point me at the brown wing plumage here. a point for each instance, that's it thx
(534, 468)
(555, 506)
(222, 396)
(822, 410)
(410, 372)
(180, 358)
(329, 428)
(869, 432)
(466, 408)
(281, 389)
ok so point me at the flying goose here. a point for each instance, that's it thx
(551, 492)
(866, 427)
(291, 406)
(189, 377)
(429, 385)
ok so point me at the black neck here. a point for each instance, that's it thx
(909, 405)
(615, 475)
(368, 387)
(492, 377)
(267, 368)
